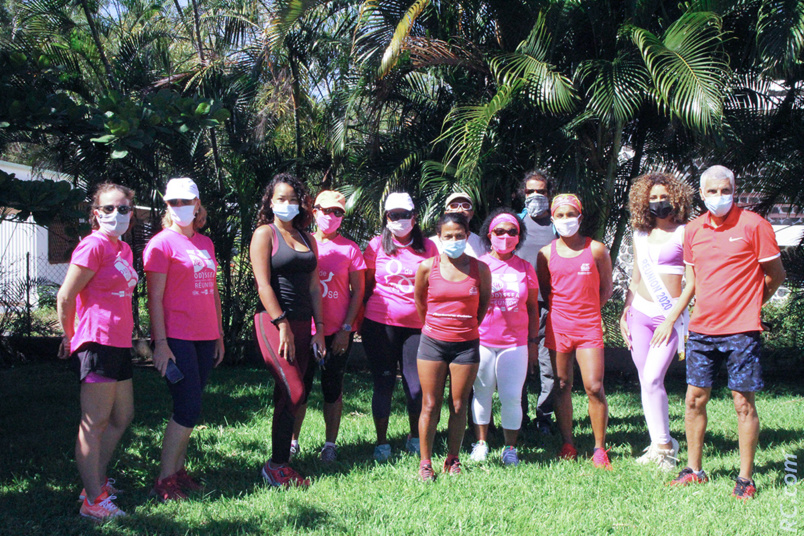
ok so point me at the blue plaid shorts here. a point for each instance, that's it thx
(706, 353)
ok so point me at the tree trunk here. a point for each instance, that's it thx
(636, 165)
(96, 37)
(294, 73)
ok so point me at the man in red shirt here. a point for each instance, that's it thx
(734, 262)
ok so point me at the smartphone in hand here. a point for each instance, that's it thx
(319, 356)
(172, 373)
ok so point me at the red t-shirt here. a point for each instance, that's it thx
(729, 280)
(452, 306)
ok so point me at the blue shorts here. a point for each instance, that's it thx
(706, 353)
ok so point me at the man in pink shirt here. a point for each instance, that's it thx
(737, 267)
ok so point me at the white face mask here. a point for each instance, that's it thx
(719, 205)
(114, 224)
(285, 211)
(567, 227)
(400, 227)
(182, 216)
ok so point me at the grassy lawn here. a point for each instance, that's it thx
(39, 483)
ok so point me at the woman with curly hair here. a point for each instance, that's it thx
(655, 317)
(284, 260)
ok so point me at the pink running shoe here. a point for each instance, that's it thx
(600, 459)
(103, 508)
(452, 465)
(108, 487)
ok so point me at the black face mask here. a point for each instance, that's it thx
(660, 209)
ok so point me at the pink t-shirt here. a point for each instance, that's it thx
(506, 322)
(189, 300)
(392, 303)
(337, 258)
(103, 306)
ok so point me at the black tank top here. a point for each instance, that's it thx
(291, 271)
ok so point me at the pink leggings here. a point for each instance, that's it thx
(652, 364)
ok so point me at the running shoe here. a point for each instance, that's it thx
(452, 465)
(509, 456)
(649, 455)
(480, 451)
(600, 459)
(426, 473)
(412, 445)
(329, 453)
(167, 489)
(667, 459)
(294, 449)
(382, 452)
(185, 481)
(283, 476)
(744, 488)
(108, 487)
(688, 476)
(103, 509)
(568, 452)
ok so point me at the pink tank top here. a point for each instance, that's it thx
(452, 305)
(575, 292)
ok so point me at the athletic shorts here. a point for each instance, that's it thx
(706, 353)
(458, 353)
(561, 342)
(92, 359)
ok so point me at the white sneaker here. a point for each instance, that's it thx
(480, 451)
(667, 459)
(510, 457)
(294, 449)
(649, 455)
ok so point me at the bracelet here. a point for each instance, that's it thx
(275, 321)
(533, 340)
(159, 340)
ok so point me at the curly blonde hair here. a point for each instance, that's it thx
(680, 197)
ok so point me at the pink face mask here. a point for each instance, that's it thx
(504, 244)
(328, 223)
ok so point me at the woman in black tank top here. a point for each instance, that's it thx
(283, 257)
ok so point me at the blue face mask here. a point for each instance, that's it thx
(453, 248)
(537, 205)
(285, 211)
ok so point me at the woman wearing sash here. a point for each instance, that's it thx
(284, 260)
(655, 317)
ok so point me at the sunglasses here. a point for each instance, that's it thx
(460, 205)
(179, 202)
(396, 216)
(108, 209)
(531, 191)
(337, 212)
(509, 232)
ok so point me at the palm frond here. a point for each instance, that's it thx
(780, 36)
(618, 87)
(688, 68)
(403, 29)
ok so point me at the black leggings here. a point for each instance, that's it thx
(331, 375)
(389, 348)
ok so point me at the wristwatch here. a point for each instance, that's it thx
(346, 327)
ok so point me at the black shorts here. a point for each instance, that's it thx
(458, 353)
(107, 361)
(706, 353)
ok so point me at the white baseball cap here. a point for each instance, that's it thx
(458, 195)
(181, 188)
(398, 200)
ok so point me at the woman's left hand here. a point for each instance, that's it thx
(219, 351)
(340, 342)
(662, 334)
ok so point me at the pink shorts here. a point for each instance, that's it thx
(561, 342)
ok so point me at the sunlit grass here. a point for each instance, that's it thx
(39, 482)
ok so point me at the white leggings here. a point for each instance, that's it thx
(503, 369)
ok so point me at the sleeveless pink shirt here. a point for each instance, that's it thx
(452, 305)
